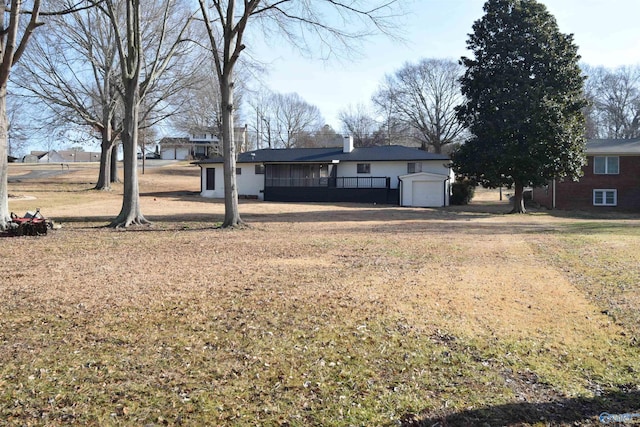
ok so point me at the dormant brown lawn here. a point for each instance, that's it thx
(313, 315)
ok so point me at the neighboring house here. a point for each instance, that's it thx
(382, 174)
(186, 148)
(200, 145)
(610, 181)
(62, 156)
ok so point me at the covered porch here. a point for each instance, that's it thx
(320, 183)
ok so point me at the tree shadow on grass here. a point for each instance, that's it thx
(102, 221)
(610, 215)
(376, 220)
(617, 404)
(602, 227)
(191, 196)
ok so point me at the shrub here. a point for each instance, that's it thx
(462, 192)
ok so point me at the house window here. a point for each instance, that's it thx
(259, 170)
(606, 165)
(211, 178)
(605, 197)
(238, 171)
(364, 167)
(414, 167)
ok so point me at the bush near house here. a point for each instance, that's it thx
(462, 192)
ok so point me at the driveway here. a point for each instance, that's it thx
(37, 174)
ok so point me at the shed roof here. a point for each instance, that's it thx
(614, 146)
(328, 155)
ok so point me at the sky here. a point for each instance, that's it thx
(607, 33)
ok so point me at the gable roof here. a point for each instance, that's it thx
(328, 155)
(168, 141)
(613, 146)
(427, 175)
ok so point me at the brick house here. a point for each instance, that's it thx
(610, 181)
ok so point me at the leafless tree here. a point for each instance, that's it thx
(614, 110)
(74, 70)
(326, 136)
(293, 117)
(320, 138)
(260, 118)
(14, 38)
(392, 130)
(140, 71)
(424, 96)
(360, 123)
(334, 25)
(201, 109)
(17, 129)
(592, 119)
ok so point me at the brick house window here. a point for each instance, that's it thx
(364, 167)
(606, 165)
(238, 171)
(605, 197)
(211, 178)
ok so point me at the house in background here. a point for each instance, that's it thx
(610, 181)
(202, 144)
(382, 174)
(188, 148)
(62, 156)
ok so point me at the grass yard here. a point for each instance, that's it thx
(316, 314)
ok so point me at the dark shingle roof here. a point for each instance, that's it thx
(171, 141)
(613, 146)
(327, 155)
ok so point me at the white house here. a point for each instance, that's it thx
(383, 174)
(193, 147)
(199, 145)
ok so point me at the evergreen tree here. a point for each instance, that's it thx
(524, 99)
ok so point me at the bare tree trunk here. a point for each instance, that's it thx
(130, 214)
(114, 164)
(4, 165)
(518, 199)
(231, 212)
(104, 176)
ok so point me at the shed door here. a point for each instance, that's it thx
(426, 194)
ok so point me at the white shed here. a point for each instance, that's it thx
(424, 189)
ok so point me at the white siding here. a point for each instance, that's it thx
(218, 191)
(249, 184)
(391, 169)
